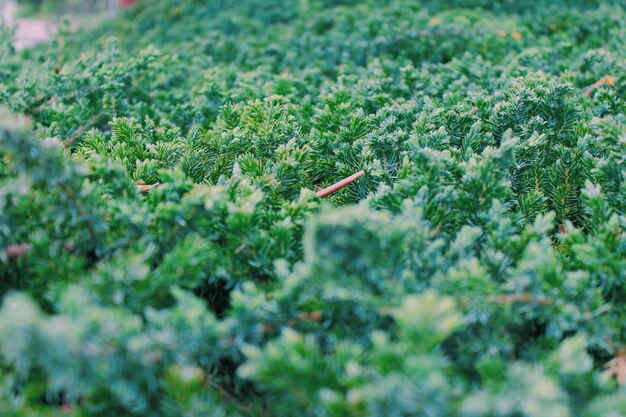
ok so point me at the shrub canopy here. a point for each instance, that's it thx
(163, 252)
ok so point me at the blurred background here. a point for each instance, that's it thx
(41, 8)
(35, 21)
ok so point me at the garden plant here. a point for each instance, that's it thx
(165, 249)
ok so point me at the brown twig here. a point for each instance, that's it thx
(314, 315)
(520, 298)
(15, 251)
(606, 80)
(61, 46)
(142, 186)
(339, 185)
(395, 103)
(616, 367)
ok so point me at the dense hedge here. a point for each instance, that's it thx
(163, 251)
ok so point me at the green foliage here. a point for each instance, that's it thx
(163, 253)
(403, 376)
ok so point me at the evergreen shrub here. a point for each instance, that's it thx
(163, 251)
